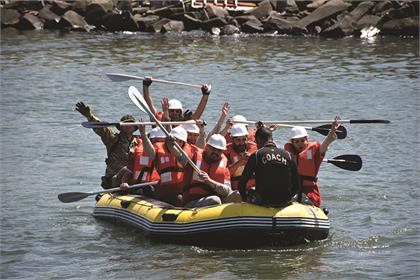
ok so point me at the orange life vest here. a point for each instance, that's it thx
(142, 166)
(308, 163)
(171, 172)
(233, 157)
(217, 171)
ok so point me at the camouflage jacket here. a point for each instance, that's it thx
(117, 146)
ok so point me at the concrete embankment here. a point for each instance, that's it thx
(328, 18)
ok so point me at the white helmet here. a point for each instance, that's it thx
(179, 133)
(175, 104)
(217, 141)
(239, 118)
(238, 130)
(298, 132)
(191, 127)
(157, 133)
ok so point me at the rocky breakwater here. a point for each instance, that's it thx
(329, 18)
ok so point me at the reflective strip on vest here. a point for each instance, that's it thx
(144, 160)
(165, 177)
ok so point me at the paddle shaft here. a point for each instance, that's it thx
(76, 196)
(146, 108)
(313, 122)
(118, 77)
(107, 124)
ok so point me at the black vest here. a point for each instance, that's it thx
(273, 174)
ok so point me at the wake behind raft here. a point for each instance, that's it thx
(232, 225)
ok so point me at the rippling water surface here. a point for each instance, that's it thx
(45, 151)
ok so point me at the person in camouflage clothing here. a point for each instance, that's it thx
(117, 146)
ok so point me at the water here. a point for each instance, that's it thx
(45, 151)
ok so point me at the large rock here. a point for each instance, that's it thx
(81, 6)
(213, 11)
(145, 23)
(262, 11)
(253, 26)
(230, 30)
(121, 22)
(283, 26)
(213, 22)
(73, 21)
(173, 26)
(30, 22)
(367, 21)
(46, 14)
(60, 7)
(346, 25)
(51, 20)
(9, 17)
(324, 12)
(315, 4)
(96, 14)
(157, 26)
(192, 23)
(403, 26)
(242, 19)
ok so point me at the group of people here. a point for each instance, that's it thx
(232, 164)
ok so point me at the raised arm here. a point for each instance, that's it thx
(107, 134)
(205, 90)
(147, 145)
(146, 94)
(220, 121)
(331, 136)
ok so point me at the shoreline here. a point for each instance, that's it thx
(326, 18)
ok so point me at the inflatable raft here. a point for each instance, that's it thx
(241, 225)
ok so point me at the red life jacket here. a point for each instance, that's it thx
(217, 171)
(142, 166)
(308, 163)
(233, 156)
(172, 173)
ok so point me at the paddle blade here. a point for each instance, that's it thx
(98, 124)
(369, 121)
(347, 162)
(72, 196)
(133, 93)
(325, 129)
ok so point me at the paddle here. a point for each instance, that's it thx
(323, 129)
(76, 196)
(314, 122)
(121, 77)
(108, 124)
(138, 99)
(347, 162)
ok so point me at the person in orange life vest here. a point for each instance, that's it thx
(230, 122)
(175, 106)
(309, 156)
(170, 164)
(238, 153)
(212, 185)
(275, 172)
(140, 167)
(117, 145)
(196, 134)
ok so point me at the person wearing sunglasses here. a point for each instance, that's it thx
(308, 157)
(117, 145)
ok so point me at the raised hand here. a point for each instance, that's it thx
(83, 109)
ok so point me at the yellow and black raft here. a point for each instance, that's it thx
(241, 225)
